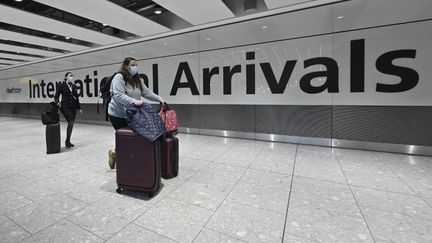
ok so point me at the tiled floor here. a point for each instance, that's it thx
(228, 190)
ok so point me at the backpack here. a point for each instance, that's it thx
(105, 94)
(50, 114)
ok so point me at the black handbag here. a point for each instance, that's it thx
(146, 122)
(50, 114)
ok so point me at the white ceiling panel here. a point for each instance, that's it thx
(7, 47)
(283, 3)
(33, 21)
(112, 15)
(17, 56)
(14, 36)
(10, 62)
(197, 11)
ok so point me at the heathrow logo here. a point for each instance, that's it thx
(13, 90)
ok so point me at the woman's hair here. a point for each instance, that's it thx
(65, 77)
(135, 81)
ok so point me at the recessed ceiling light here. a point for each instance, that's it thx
(340, 17)
(264, 27)
(165, 44)
(132, 52)
(158, 10)
(208, 39)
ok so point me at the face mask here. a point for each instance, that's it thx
(70, 79)
(133, 70)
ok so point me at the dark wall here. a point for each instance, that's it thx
(408, 125)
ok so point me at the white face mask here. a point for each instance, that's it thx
(70, 79)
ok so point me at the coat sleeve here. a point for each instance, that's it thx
(57, 94)
(75, 93)
(148, 94)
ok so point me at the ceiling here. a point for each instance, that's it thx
(35, 29)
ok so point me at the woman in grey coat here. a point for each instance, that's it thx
(127, 88)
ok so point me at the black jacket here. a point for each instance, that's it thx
(69, 99)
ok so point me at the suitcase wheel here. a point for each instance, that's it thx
(119, 190)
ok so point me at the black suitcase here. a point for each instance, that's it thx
(170, 157)
(138, 162)
(52, 136)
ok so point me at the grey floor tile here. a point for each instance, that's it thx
(267, 179)
(281, 156)
(322, 226)
(39, 174)
(62, 203)
(34, 217)
(241, 158)
(11, 200)
(108, 216)
(216, 176)
(208, 235)
(392, 184)
(11, 232)
(234, 161)
(428, 200)
(327, 170)
(92, 190)
(367, 167)
(279, 148)
(192, 164)
(247, 223)
(62, 184)
(12, 182)
(397, 227)
(45, 187)
(280, 164)
(202, 154)
(63, 231)
(332, 197)
(288, 238)
(137, 234)
(393, 202)
(200, 194)
(421, 185)
(176, 220)
(264, 196)
(227, 167)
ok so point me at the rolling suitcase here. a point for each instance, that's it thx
(170, 157)
(138, 162)
(52, 137)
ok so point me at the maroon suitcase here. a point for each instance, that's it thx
(138, 162)
(170, 157)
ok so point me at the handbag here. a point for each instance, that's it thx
(169, 118)
(146, 122)
(50, 114)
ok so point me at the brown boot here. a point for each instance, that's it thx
(112, 158)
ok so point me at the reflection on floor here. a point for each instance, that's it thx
(228, 190)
